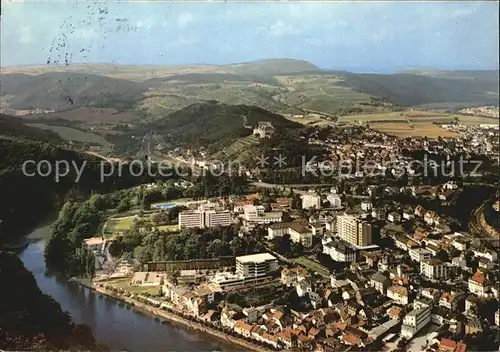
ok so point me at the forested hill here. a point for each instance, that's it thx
(25, 200)
(11, 126)
(31, 320)
(202, 124)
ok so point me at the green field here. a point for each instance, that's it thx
(312, 265)
(71, 134)
(115, 225)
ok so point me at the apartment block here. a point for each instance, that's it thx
(354, 230)
(204, 218)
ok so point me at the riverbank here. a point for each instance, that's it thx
(157, 312)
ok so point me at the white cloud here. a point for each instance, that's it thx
(25, 35)
(185, 19)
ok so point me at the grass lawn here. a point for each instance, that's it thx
(125, 284)
(114, 225)
(313, 265)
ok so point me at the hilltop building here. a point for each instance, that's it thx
(264, 129)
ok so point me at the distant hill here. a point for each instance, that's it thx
(65, 90)
(210, 122)
(273, 67)
(283, 86)
(472, 74)
(414, 90)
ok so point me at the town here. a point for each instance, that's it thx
(379, 265)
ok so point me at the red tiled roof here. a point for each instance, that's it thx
(461, 347)
(447, 345)
(350, 339)
(479, 277)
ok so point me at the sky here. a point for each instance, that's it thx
(361, 37)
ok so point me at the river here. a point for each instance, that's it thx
(112, 324)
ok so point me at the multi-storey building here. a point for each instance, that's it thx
(191, 218)
(204, 218)
(434, 269)
(416, 320)
(419, 254)
(354, 230)
(218, 218)
(255, 265)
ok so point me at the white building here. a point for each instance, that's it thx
(255, 265)
(256, 215)
(419, 254)
(416, 320)
(488, 254)
(228, 281)
(354, 230)
(433, 269)
(366, 205)
(398, 294)
(394, 217)
(478, 284)
(301, 234)
(311, 200)
(204, 218)
(334, 200)
(339, 251)
(298, 233)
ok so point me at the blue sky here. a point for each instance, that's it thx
(363, 36)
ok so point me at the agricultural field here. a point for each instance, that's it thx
(72, 134)
(414, 122)
(405, 129)
(310, 119)
(390, 116)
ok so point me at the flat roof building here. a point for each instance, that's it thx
(256, 265)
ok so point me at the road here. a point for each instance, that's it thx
(475, 225)
(294, 186)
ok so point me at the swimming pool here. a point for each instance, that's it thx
(165, 205)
